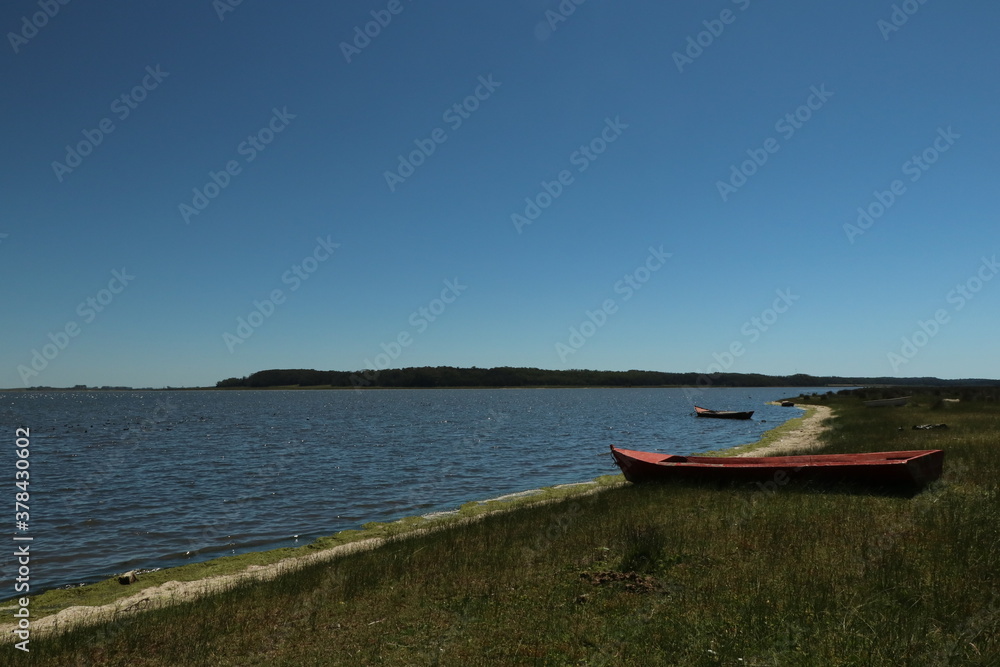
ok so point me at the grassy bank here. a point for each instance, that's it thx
(370, 535)
(660, 574)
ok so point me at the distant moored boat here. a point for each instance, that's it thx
(722, 414)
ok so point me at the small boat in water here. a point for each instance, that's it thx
(906, 468)
(722, 414)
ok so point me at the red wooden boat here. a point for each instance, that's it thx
(722, 414)
(913, 468)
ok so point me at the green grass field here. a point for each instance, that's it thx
(638, 575)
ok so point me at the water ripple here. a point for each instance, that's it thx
(125, 480)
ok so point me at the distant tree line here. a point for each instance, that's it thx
(448, 376)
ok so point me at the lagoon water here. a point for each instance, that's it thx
(147, 479)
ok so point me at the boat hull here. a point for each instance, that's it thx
(722, 414)
(909, 468)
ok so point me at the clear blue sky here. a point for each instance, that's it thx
(624, 123)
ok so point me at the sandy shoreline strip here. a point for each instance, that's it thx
(804, 436)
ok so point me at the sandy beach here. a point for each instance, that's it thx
(805, 435)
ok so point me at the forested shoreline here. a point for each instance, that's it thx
(448, 376)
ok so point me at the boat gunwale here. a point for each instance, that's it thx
(806, 460)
